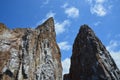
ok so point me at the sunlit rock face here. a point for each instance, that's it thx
(90, 60)
(30, 54)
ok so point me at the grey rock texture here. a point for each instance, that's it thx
(30, 54)
(90, 60)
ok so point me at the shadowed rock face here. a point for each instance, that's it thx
(30, 54)
(90, 60)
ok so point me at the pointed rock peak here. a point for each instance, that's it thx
(30, 54)
(2, 26)
(85, 27)
(49, 20)
(48, 23)
(47, 27)
(85, 30)
(90, 60)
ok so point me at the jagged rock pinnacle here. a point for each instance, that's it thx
(2, 28)
(30, 54)
(49, 21)
(90, 60)
(48, 28)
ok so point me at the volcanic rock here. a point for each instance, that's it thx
(30, 54)
(90, 60)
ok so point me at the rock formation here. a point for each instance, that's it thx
(90, 60)
(30, 54)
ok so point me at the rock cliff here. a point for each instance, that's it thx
(90, 60)
(30, 54)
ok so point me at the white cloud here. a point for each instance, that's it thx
(97, 23)
(65, 5)
(113, 45)
(71, 12)
(89, 1)
(64, 45)
(50, 14)
(99, 7)
(115, 54)
(100, 1)
(116, 57)
(45, 2)
(61, 27)
(66, 65)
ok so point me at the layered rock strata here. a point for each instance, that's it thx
(30, 54)
(90, 60)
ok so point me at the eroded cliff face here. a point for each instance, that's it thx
(30, 54)
(90, 60)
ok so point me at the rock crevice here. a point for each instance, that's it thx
(30, 54)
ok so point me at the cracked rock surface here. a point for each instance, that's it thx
(90, 60)
(30, 54)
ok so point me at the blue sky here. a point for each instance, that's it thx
(103, 16)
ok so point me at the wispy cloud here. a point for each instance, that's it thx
(114, 53)
(116, 57)
(61, 27)
(64, 45)
(48, 15)
(117, 36)
(113, 45)
(65, 5)
(46, 2)
(97, 23)
(72, 11)
(66, 65)
(99, 7)
(100, 1)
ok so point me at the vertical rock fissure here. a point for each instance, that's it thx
(25, 52)
(30, 54)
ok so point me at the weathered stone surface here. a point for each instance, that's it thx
(30, 54)
(90, 60)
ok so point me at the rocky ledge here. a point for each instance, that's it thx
(30, 54)
(90, 60)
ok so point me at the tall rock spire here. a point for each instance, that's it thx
(30, 54)
(90, 60)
